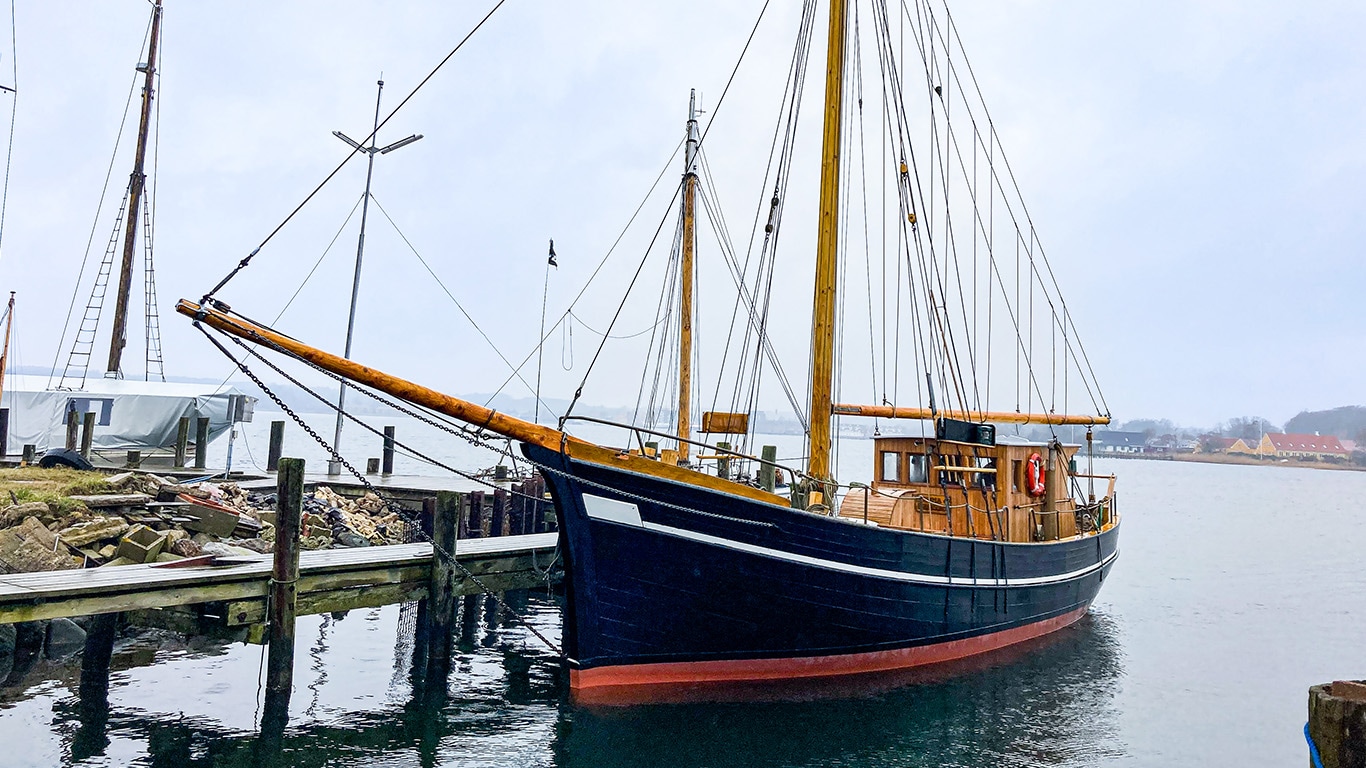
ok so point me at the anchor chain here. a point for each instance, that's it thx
(389, 503)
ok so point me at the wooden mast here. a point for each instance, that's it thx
(823, 311)
(686, 289)
(119, 338)
(4, 351)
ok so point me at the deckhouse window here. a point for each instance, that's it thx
(920, 468)
(891, 467)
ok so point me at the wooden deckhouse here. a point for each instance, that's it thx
(1002, 491)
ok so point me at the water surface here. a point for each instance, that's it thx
(1237, 588)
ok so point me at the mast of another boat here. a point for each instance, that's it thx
(823, 311)
(334, 465)
(686, 288)
(4, 351)
(136, 182)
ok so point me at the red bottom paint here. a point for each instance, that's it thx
(704, 680)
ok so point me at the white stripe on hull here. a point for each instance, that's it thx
(628, 514)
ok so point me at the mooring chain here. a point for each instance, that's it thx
(475, 439)
(389, 503)
(363, 425)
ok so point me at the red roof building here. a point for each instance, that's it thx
(1292, 446)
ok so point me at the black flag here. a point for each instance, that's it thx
(552, 255)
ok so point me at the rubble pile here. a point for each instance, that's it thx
(139, 517)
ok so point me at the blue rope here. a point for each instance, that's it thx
(1313, 750)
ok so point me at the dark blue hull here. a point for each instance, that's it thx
(673, 583)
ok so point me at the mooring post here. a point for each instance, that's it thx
(538, 512)
(500, 506)
(518, 511)
(387, 465)
(91, 737)
(422, 629)
(201, 443)
(768, 455)
(73, 427)
(30, 452)
(4, 432)
(277, 445)
(1337, 723)
(476, 525)
(134, 459)
(99, 649)
(723, 463)
(283, 590)
(182, 441)
(87, 433)
(441, 593)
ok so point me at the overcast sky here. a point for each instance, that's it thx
(1194, 169)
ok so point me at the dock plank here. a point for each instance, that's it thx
(341, 572)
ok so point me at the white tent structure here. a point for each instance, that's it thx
(136, 415)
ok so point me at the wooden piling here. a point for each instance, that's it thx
(723, 463)
(769, 455)
(73, 428)
(87, 433)
(201, 443)
(182, 441)
(441, 593)
(4, 432)
(499, 515)
(134, 459)
(387, 467)
(372, 466)
(277, 445)
(476, 518)
(1337, 723)
(99, 649)
(537, 490)
(284, 577)
(518, 511)
(91, 738)
(29, 454)
(469, 620)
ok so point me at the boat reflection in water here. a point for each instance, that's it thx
(1048, 701)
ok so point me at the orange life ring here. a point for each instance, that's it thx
(1034, 477)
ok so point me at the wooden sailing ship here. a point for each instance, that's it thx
(684, 574)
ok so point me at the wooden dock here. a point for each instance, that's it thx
(329, 580)
(477, 542)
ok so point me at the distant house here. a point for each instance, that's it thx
(1293, 446)
(1163, 444)
(1240, 445)
(1222, 445)
(1119, 442)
